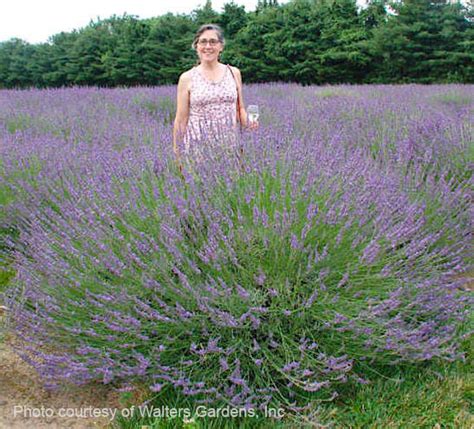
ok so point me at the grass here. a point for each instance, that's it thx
(5, 276)
(438, 394)
(18, 123)
(430, 395)
(453, 98)
(163, 108)
(334, 92)
(6, 272)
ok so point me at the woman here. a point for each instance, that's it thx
(209, 100)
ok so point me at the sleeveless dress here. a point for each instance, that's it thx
(212, 122)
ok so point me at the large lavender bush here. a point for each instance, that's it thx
(338, 242)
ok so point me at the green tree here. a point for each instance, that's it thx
(374, 14)
(249, 49)
(86, 59)
(40, 65)
(263, 4)
(167, 49)
(61, 45)
(341, 58)
(15, 59)
(205, 14)
(123, 63)
(232, 19)
(424, 41)
(305, 41)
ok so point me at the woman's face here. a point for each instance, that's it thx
(208, 46)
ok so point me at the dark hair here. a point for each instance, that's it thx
(205, 27)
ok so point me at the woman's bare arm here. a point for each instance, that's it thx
(243, 112)
(182, 110)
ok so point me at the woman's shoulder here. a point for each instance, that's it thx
(235, 70)
(186, 76)
(185, 79)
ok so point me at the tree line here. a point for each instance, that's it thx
(304, 41)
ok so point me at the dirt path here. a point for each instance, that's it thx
(25, 404)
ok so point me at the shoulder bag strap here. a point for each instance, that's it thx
(238, 97)
(241, 149)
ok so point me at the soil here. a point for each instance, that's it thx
(469, 285)
(25, 404)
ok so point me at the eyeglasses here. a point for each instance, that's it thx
(204, 42)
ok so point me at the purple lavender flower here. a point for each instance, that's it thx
(323, 231)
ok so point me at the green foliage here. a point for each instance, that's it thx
(205, 15)
(163, 108)
(305, 41)
(232, 19)
(120, 62)
(18, 123)
(5, 276)
(420, 396)
(15, 55)
(411, 396)
(424, 42)
(62, 46)
(167, 49)
(87, 65)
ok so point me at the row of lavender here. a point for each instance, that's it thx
(338, 241)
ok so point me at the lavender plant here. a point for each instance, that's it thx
(336, 244)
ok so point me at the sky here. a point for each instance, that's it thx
(36, 20)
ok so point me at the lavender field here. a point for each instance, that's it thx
(340, 243)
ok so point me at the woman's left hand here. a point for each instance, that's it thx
(252, 125)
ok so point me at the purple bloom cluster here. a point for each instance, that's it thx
(343, 232)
